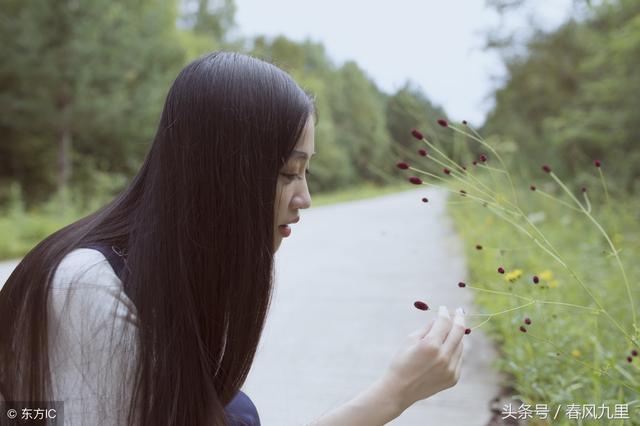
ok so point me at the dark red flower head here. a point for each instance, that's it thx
(584, 189)
(464, 122)
(461, 284)
(415, 180)
(527, 321)
(443, 122)
(629, 359)
(420, 305)
(536, 280)
(474, 162)
(483, 158)
(532, 187)
(501, 270)
(523, 329)
(402, 165)
(546, 168)
(634, 352)
(446, 171)
(596, 163)
(422, 152)
(467, 330)
(478, 247)
(424, 200)
(416, 134)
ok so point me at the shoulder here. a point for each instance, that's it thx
(86, 284)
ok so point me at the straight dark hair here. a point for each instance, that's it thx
(197, 223)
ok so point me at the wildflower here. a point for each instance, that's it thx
(402, 165)
(527, 321)
(415, 180)
(443, 122)
(584, 189)
(523, 329)
(416, 134)
(634, 352)
(576, 353)
(474, 162)
(464, 122)
(424, 200)
(546, 168)
(483, 158)
(478, 247)
(446, 171)
(629, 359)
(422, 152)
(461, 284)
(536, 280)
(596, 163)
(513, 275)
(467, 330)
(533, 187)
(420, 305)
(546, 275)
(501, 270)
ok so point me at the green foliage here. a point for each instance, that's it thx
(572, 97)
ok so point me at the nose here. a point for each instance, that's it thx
(302, 198)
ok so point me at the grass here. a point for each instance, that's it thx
(569, 354)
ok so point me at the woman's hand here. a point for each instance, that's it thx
(429, 361)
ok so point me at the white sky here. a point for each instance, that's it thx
(436, 44)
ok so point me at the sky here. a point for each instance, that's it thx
(438, 45)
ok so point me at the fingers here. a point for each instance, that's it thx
(441, 327)
(455, 333)
(458, 354)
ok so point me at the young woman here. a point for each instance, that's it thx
(149, 311)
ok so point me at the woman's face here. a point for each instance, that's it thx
(292, 193)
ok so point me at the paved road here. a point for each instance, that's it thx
(346, 280)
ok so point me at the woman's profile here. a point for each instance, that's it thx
(149, 311)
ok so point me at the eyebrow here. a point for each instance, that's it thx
(302, 154)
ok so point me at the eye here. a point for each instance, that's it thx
(291, 176)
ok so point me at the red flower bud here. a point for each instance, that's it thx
(523, 329)
(483, 158)
(527, 321)
(596, 163)
(416, 134)
(402, 165)
(446, 171)
(467, 330)
(461, 284)
(464, 122)
(629, 359)
(536, 280)
(532, 187)
(422, 152)
(443, 122)
(415, 180)
(420, 305)
(478, 247)
(501, 270)
(584, 189)
(424, 200)
(634, 352)
(546, 168)
(474, 162)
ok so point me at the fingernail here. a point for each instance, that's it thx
(460, 311)
(443, 311)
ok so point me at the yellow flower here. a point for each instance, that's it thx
(576, 353)
(545, 275)
(553, 284)
(513, 275)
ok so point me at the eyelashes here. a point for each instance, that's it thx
(290, 176)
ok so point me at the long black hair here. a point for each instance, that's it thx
(197, 224)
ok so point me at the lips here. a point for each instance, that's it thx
(296, 220)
